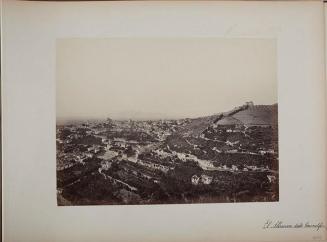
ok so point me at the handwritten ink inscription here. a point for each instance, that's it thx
(270, 224)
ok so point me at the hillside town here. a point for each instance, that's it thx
(225, 157)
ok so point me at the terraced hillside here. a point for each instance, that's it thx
(247, 114)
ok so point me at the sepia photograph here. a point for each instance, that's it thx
(166, 121)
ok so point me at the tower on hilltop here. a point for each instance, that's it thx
(249, 104)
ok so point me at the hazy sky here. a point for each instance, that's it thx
(162, 77)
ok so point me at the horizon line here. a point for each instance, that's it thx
(168, 117)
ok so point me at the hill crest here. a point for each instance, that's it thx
(247, 114)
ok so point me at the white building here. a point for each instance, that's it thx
(195, 180)
(206, 179)
(234, 168)
(271, 179)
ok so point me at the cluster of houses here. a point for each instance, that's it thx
(206, 180)
(155, 166)
(202, 179)
(269, 151)
(67, 160)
